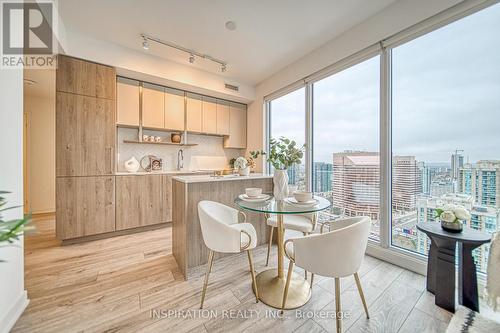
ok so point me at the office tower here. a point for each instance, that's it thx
(457, 162)
(322, 177)
(426, 176)
(482, 181)
(407, 183)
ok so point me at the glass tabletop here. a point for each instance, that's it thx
(282, 207)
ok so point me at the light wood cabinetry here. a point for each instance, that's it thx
(194, 113)
(84, 206)
(166, 198)
(174, 109)
(222, 117)
(76, 76)
(139, 201)
(209, 115)
(105, 82)
(127, 102)
(153, 106)
(237, 127)
(85, 135)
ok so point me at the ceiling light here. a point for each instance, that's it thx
(29, 82)
(191, 58)
(223, 68)
(230, 25)
(145, 44)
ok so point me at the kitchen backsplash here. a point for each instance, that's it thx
(207, 146)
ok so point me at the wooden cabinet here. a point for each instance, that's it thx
(209, 115)
(194, 113)
(222, 117)
(84, 206)
(139, 201)
(105, 82)
(237, 127)
(85, 135)
(174, 109)
(167, 198)
(127, 102)
(153, 106)
(76, 76)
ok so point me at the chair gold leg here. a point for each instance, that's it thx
(209, 269)
(252, 271)
(337, 305)
(305, 272)
(288, 278)
(269, 245)
(312, 280)
(361, 294)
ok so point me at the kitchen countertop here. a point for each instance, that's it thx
(208, 178)
(164, 172)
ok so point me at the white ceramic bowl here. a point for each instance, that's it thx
(302, 196)
(253, 192)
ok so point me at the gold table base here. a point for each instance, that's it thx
(271, 289)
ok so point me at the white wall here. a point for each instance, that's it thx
(13, 298)
(391, 20)
(41, 156)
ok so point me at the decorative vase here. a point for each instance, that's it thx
(280, 181)
(132, 165)
(244, 171)
(176, 137)
(452, 226)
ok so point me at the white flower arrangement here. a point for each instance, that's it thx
(241, 163)
(453, 213)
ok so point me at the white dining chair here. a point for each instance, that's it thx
(304, 223)
(337, 253)
(223, 233)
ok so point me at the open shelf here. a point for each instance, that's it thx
(161, 143)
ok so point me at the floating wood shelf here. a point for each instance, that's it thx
(161, 143)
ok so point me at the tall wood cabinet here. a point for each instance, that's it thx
(85, 148)
(237, 137)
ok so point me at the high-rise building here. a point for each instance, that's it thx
(482, 218)
(322, 177)
(457, 162)
(406, 183)
(482, 181)
(426, 176)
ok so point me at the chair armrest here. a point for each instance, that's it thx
(286, 253)
(244, 217)
(243, 248)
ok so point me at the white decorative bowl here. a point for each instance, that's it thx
(253, 192)
(302, 196)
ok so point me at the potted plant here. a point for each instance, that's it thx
(10, 230)
(244, 164)
(452, 217)
(283, 154)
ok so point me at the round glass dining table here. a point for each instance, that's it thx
(271, 282)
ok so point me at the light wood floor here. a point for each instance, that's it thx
(111, 285)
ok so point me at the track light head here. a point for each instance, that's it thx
(223, 68)
(145, 43)
(191, 58)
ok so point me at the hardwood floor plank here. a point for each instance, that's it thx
(421, 322)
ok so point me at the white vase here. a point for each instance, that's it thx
(244, 171)
(280, 180)
(132, 165)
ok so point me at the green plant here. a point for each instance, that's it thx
(284, 153)
(10, 230)
(231, 162)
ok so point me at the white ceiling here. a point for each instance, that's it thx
(45, 83)
(269, 35)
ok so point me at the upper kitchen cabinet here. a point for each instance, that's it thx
(237, 126)
(209, 115)
(127, 102)
(76, 76)
(86, 78)
(153, 106)
(222, 117)
(194, 113)
(174, 109)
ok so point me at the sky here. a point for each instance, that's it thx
(446, 96)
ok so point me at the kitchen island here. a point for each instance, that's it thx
(187, 241)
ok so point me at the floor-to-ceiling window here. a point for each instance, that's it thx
(446, 127)
(346, 163)
(441, 93)
(287, 115)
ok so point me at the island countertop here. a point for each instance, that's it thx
(210, 178)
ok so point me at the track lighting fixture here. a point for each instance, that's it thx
(192, 53)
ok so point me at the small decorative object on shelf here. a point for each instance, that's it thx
(283, 154)
(146, 138)
(151, 163)
(157, 139)
(452, 217)
(244, 164)
(176, 137)
(132, 165)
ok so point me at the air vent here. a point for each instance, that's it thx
(232, 87)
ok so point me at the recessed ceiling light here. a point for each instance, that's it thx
(29, 82)
(230, 25)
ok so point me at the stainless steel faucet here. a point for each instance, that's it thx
(180, 159)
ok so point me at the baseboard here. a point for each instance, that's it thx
(404, 260)
(10, 318)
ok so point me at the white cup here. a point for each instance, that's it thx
(302, 196)
(253, 192)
